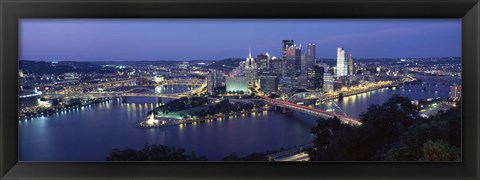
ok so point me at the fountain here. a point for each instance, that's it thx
(152, 120)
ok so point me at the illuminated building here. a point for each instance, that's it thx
(285, 84)
(250, 69)
(263, 63)
(249, 61)
(342, 62)
(276, 66)
(293, 60)
(158, 78)
(285, 45)
(237, 84)
(351, 71)
(70, 76)
(211, 81)
(315, 78)
(268, 84)
(310, 55)
(303, 65)
(456, 92)
(327, 82)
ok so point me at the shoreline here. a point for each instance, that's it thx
(200, 120)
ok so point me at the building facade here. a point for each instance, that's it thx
(456, 92)
(268, 84)
(311, 55)
(315, 78)
(342, 62)
(285, 45)
(328, 82)
(237, 84)
(250, 69)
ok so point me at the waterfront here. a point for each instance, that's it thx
(90, 133)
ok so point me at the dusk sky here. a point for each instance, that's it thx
(214, 39)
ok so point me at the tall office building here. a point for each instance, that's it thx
(298, 60)
(276, 66)
(293, 61)
(303, 68)
(315, 78)
(328, 82)
(211, 81)
(311, 55)
(285, 45)
(249, 61)
(263, 63)
(351, 69)
(214, 79)
(268, 84)
(250, 69)
(289, 61)
(342, 62)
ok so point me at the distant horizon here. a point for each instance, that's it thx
(217, 39)
(222, 59)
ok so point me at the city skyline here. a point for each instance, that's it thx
(106, 40)
(280, 101)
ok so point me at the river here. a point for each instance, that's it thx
(90, 133)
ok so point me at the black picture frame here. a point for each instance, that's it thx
(12, 10)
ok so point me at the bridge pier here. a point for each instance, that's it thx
(159, 100)
(124, 99)
(340, 96)
(286, 110)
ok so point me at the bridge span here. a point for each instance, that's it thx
(113, 94)
(311, 111)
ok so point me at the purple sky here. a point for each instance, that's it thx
(189, 39)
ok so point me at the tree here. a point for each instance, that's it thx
(153, 153)
(381, 125)
(445, 127)
(439, 150)
(231, 157)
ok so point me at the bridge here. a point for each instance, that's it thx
(180, 81)
(130, 93)
(311, 111)
(113, 94)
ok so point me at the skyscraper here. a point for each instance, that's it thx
(304, 68)
(250, 69)
(285, 45)
(289, 61)
(276, 66)
(351, 70)
(211, 81)
(249, 61)
(311, 55)
(268, 84)
(263, 63)
(298, 60)
(315, 78)
(328, 82)
(293, 61)
(342, 62)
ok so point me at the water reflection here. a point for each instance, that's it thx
(90, 133)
